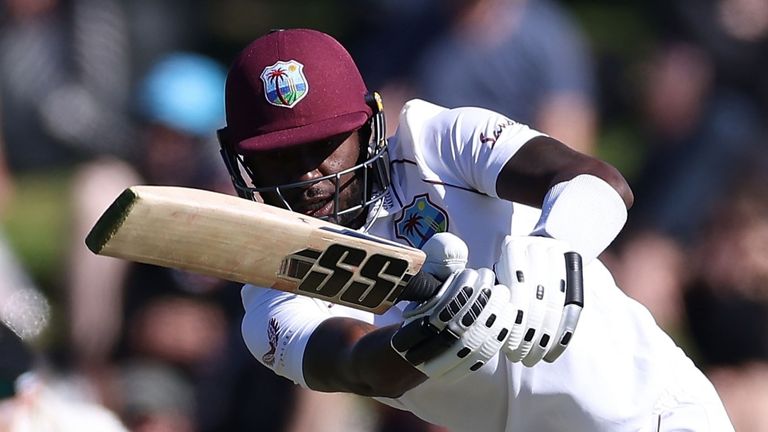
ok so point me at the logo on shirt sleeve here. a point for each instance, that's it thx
(272, 329)
(491, 140)
(420, 220)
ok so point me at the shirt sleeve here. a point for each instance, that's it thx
(277, 327)
(473, 145)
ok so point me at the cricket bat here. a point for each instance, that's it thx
(248, 242)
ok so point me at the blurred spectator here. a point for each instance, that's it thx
(734, 33)
(67, 69)
(387, 41)
(180, 106)
(94, 283)
(726, 300)
(122, 311)
(728, 294)
(703, 121)
(390, 35)
(154, 397)
(702, 111)
(525, 59)
(700, 135)
(699, 132)
(64, 78)
(33, 63)
(30, 403)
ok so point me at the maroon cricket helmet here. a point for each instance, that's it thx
(292, 87)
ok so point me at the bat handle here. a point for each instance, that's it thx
(422, 286)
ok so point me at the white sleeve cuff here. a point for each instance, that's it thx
(586, 212)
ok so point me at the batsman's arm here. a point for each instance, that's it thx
(543, 162)
(584, 200)
(347, 355)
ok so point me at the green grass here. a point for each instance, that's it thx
(37, 224)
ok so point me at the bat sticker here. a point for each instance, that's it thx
(347, 275)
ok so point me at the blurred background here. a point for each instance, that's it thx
(98, 95)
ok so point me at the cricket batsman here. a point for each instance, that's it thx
(528, 331)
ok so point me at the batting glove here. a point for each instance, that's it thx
(464, 325)
(545, 282)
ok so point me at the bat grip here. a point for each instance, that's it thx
(422, 286)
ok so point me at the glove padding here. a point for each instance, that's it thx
(545, 281)
(464, 325)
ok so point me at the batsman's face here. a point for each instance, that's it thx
(306, 163)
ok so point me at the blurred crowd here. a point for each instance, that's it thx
(99, 95)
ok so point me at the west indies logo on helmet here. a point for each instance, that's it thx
(299, 86)
(284, 83)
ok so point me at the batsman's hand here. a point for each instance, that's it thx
(545, 282)
(464, 325)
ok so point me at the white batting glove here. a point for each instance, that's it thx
(545, 281)
(464, 325)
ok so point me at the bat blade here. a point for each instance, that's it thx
(243, 241)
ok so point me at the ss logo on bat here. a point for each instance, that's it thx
(347, 274)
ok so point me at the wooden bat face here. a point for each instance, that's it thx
(243, 241)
